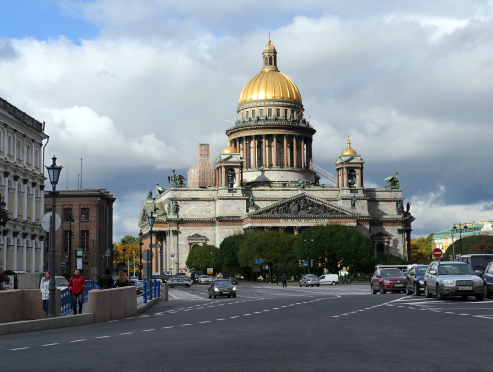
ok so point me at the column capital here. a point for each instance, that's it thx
(274, 135)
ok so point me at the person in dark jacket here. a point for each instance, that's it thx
(107, 280)
(284, 281)
(76, 286)
(122, 280)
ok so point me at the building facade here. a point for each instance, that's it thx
(443, 239)
(21, 188)
(92, 230)
(266, 179)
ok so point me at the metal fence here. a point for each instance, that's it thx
(66, 300)
(150, 289)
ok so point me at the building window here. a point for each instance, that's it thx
(67, 213)
(36, 161)
(261, 112)
(247, 114)
(269, 112)
(84, 214)
(285, 113)
(249, 155)
(280, 154)
(270, 61)
(28, 159)
(253, 113)
(19, 150)
(1, 140)
(84, 240)
(9, 146)
(278, 112)
(266, 61)
(66, 240)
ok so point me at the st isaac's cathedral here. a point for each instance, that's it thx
(266, 179)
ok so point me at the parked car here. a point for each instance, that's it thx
(138, 286)
(195, 275)
(478, 262)
(185, 278)
(452, 279)
(387, 279)
(415, 280)
(222, 287)
(329, 279)
(165, 278)
(309, 279)
(233, 280)
(205, 279)
(178, 282)
(488, 280)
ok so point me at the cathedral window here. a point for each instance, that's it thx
(260, 157)
(275, 61)
(278, 112)
(269, 112)
(253, 113)
(286, 113)
(280, 152)
(270, 61)
(247, 113)
(261, 112)
(266, 62)
(249, 154)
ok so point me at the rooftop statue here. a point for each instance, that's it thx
(176, 180)
(149, 194)
(159, 190)
(393, 182)
(353, 201)
(301, 183)
(252, 201)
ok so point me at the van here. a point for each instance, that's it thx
(478, 262)
(329, 279)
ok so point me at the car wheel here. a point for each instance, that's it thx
(408, 292)
(229, 296)
(187, 285)
(479, 297)
(318, 285)
(416, 290)
(427, 292)
(234, 296)
(306, 285)
(210, 295)
(214, 296)
(382, 291)
(171, 285)
(333, 283)
(372, 290)
(312, 285)
(486, 292)
(440, 295)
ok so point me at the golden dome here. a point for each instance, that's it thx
(269, 47)
(229, 149)
(270, 84)
(349, 150)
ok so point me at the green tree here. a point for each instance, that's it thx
(203, 257)
(466, 244)
(334, 247)
(123, 252)
(227, 257)
(276, 249)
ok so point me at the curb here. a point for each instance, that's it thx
(45, 324)
(142, 308)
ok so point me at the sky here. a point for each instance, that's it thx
(133, 86)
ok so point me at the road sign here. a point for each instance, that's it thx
(258, 260)
(46, 221)
(210, 270)
(62, 265)
(147, 255)
(305, 263)
(437, 253)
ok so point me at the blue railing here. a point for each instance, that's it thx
(150, 289)
(66, 303)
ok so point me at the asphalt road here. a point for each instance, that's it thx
(268, 328)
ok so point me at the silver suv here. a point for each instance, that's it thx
(452, 279)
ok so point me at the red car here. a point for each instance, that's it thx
(388, 279)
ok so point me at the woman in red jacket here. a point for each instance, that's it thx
(76, 286)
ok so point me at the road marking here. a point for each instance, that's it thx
(102, 337)
(148, 330)
(78, 340)
(449, 312)
(232, 317)
(184, 325)
(275, 308)
(117, 320)
(126, 333)
(207, 321)
(221, 319)
(464, 314)
(51, 344)
(20, 348)
(168, 327)
(144, 316)
(246, 314)
(132, 317)
(257, 312)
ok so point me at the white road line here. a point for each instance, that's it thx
(126, 333)
(184, 325)
(78, 340)
(51, 344)
(116, 320)
(102, 337)
(168, 327)
(464, 314)
(257, 312)
(265, 310)
(148, 330)
(20, 348)
(132, 317)
(221, 319)
(247, 314)
(144, 316)
(207, 321)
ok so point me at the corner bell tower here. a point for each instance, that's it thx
(349, 168)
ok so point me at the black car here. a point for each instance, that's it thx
(488, 280)
(222, 287)
(234, 280)
(478, 262)
(195, 276)
(415, 280)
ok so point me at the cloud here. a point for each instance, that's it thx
(7, 50)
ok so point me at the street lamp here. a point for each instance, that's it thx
(308, 241)
(140, 244)
(134, 262)
(149, 269)
(54, 174)
(460, 234)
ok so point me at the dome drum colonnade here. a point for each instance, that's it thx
(271, 133)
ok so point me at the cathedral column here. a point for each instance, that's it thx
(274, 151)
(302, 152)
(361, 177)
(265, 158)
(285, 150)
(237, 143)
(310, 156)
(154, 251)
(295, 152)
(338, 174)
(224, 176)
(254, 157)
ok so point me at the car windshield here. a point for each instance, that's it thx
(138, 283)
(455, 269)
(312, 276)
(61, 282)
(421, 270)
(481, 262)
(222, 282)
(395, 272)
(205, 276)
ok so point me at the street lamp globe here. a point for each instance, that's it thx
(151, 220)
(54, 172)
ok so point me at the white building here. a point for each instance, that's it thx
(21, 187)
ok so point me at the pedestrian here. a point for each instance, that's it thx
(106, 280)
(122, 280)
(76, 287)
(284, 280)
(45, 292)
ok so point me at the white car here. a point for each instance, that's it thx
(205, 279)
(329, 279)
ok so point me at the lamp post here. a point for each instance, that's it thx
(54, 174)
(70, 220)
(464, 226)
(140, 244)
(308, 241)
(149, 267)
(453, 243)
(134, 262)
